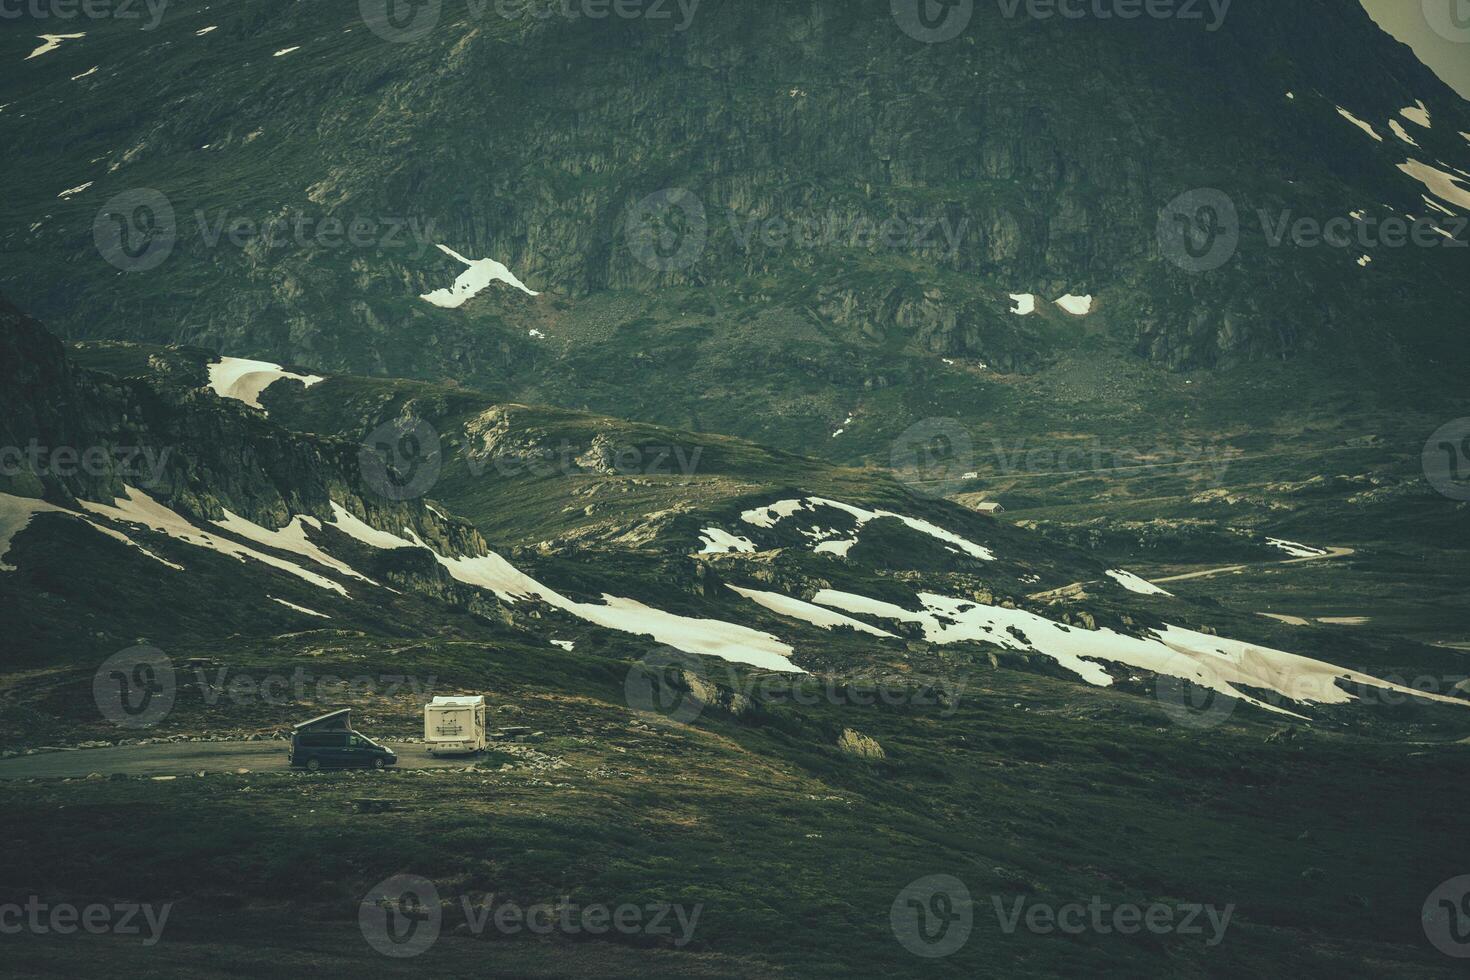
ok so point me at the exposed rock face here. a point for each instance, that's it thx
(856, 743)
(70, 433)
(890, 190)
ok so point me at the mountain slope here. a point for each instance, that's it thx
(1024, 156)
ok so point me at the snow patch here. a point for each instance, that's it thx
(1417, 113)
(1401, 132)
(16, 514)
(204, 31)
(1076, 305)
(139, 508)
(1296, 550)
(806, 612)
(73, 191)
(245, 381)
(1025, 303)
(1133, 583)
(1444, 186)
(1359, 123)
(738, 644)
(300, 609)
(50, 42)
(473, 281)
(719, 542)
(89, 71)
(285, 51)
(1227, 666)
(768, 516)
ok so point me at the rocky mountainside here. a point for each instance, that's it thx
(745, 217)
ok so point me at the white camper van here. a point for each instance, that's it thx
(455, 724)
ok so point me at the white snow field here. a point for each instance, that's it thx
(50, 42)
(1360, 124)
(719, 542)
(728, 641)
(246, 380)
(806, 612)
(473, 281)
(16, 514)
(771, 514)
(1133, 583)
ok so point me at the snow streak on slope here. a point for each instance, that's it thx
(50, 42)
(720, 542)
(493, 573)
(806, 612)
(246, 381)
(1445, 186)
(16, 514)
(139, 508)
(473, 281)
(1227, 666)
(1133, 583)
(772, 514)
(1360, 124)
(291, 538)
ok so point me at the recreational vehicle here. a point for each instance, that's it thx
(455, 725)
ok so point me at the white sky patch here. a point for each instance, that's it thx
(245, 380)
(1417, 113)
(738, 644)
(806, 612)
(285, 51)
(16, 514)
(1401, 132)
(300, 609)
(1076, 305)
(720, 542)
(473, 281)
(50, 42)
(1133, 583)
(89, 71)
(1296, 550)
(1446, 187)
(1360, 124)
(139, 508)
(73, 191)
(768, 516)
(1224, 665)
(1025, 303)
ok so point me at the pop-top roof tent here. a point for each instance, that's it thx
(332, 721)
(458, 702)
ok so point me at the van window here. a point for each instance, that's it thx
(321, 740)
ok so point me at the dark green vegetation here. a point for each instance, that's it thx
(767, 810)
(590, 436)
(529, 139)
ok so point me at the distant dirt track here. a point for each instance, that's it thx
(187, 758)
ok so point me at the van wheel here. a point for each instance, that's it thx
(377, 763)
(313, 764)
